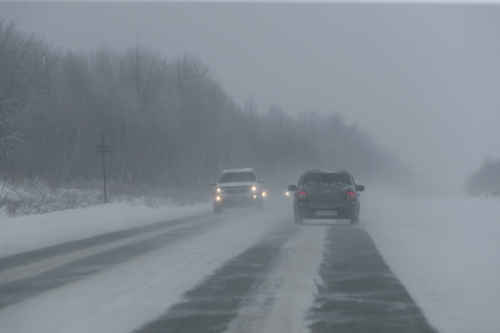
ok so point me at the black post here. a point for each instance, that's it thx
(103, 149)
(104, 169)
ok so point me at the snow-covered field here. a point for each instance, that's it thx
(445, 251)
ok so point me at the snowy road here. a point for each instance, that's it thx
(237, 272)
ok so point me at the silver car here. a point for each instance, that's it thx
(238, 188)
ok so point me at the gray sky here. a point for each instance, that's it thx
(423, 79)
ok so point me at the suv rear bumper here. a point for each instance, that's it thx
(345, 212)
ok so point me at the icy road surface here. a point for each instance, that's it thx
(123, 269)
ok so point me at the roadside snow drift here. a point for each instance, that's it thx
(447, 254)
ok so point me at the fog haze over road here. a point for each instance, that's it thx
(423, 79)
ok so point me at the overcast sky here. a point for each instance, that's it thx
(423, 79)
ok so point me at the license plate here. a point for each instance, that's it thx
(326, 213)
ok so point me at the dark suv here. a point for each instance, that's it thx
(326, 194)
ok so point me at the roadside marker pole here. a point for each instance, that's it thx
(103, 149)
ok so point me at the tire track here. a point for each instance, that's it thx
(70, 256)
(28, 257)
(282, 299)
(359, 292)
(212, 305)
(18, 290)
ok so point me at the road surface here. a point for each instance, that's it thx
(240, 271)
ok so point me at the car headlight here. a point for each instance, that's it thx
(264, 194)
(254, 188)
(219, 190)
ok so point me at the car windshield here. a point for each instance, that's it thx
(326, 178)
(232, 177)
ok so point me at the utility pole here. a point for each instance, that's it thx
(103, 149)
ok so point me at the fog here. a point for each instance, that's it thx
(424, 80)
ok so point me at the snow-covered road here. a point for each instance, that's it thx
(152, 270)
(121, 296)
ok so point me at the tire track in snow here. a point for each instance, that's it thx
(213, 304)
(359, 292)
(74, 255)
(128, 295)
(18, 290)
(281, 302)
(25, 258)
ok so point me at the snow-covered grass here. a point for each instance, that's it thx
(447, 254)
(19, 196)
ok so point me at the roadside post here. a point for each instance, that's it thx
(103, 149)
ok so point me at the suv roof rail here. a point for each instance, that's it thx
(326, 171)
(238, 170)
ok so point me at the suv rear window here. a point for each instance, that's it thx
(235, 177)
(326, 178)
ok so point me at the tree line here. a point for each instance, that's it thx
(169, 122)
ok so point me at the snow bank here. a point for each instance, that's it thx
(31, 232)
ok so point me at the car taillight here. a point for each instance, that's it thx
(351, 196)
(302, 195)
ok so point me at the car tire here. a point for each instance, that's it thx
(355, 216)
(297, 218)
